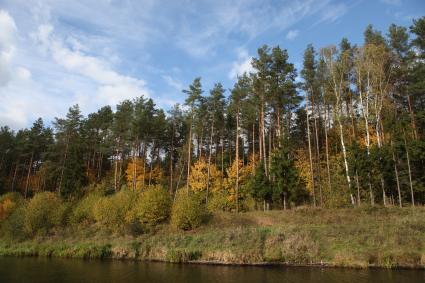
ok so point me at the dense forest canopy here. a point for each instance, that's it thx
(351, 133)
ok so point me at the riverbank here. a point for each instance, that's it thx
(360, 238)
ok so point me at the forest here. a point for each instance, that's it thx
(346, 130)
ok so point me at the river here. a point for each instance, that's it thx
(47, 270)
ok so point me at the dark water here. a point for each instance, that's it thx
(69, 270)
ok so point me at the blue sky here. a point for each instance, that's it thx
(54, 54)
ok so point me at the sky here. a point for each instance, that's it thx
(54, 54)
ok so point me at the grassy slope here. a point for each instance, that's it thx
(365, 237)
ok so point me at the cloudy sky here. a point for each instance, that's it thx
(54, 54)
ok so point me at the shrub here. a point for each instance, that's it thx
(111, 211)
(187, 211)
(13, 227)
(153, 206)
(220, 202)
(84, 210)
(44, 211)
(8, 203)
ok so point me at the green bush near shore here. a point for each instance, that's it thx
(84, 209)
(151, 208)
(44, 211)
(188, 212)
(111, 211)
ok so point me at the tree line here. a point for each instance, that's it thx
(350, 132)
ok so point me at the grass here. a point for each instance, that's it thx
(360, 237)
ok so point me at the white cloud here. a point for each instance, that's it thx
(58, 71)
(292, 34)
(7, 46)
(174, 83)
(241, 65)
(97, 52)
(334, 12)
(201, 34)
(112, 87)
(20, 96)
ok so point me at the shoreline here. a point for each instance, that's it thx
(231, 264)
(351, 238)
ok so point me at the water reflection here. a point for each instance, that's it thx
(70, 270)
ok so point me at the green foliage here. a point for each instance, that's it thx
(188, 212)
(111, 211)
(13, 227)
(84, 209)
(152, 207)
(259, 185)
(286, 180)
(44, 211)
(220, 202)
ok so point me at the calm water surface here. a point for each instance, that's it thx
(69, 270)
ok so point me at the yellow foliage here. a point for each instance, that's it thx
(156, 176)
(199, 176)
(138, 168)
(229, 183)
(373, 139)
(253, 161)
(6, 207)
(143, 176)
(303, 165)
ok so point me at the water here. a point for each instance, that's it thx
(69, 270)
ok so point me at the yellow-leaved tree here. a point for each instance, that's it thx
(155, 176)
(302, 165)
(199, 176)
(135, 173)
(224, 197)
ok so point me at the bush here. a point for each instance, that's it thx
(153, 206)
(84, 210)
(44, 211)
(188, 211)
(111, 211)
(13, 227)
(8, 203)
(220, 202)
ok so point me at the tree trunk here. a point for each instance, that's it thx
(14, 176)
(63, 166)
(344, 153)
(327, 151)
(358, 189)
(397, 180)
(317, 151)
(134, 171)
(28, 175)
(189, 155)
(180, 178)
(222, 162)
(237, 161)
(121, 161)
(172, 159)
(270, 151)
(116, 171)
(209, 161)
(412, 117)
(263, 137)
(409, 171)
(253, 147)
(309, 152)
